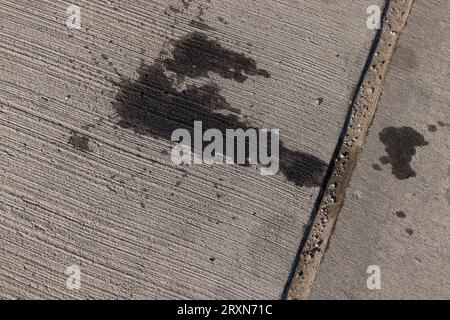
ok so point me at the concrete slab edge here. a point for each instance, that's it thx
(360, 116)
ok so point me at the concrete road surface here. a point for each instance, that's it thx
(92, 205)
(85, 119)
(395, 223)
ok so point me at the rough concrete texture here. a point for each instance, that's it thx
(337, 180)
(396, 214)
(85, 173)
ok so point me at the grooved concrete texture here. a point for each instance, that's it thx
(81, 185)
(396, 214)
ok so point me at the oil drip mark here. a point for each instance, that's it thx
(153, 105)
(401, 145)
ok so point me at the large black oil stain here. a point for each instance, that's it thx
(152, 105)
(401, 145)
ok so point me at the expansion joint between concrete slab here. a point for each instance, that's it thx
(359, 118)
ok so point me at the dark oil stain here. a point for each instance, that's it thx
(409, 231)
(432, 128)
(401, 145)
(376, 167)
(79, 142)
(195, 55)
(400, 214)
(441, 124)
(152, 104)
(301, 168)
(200, 25)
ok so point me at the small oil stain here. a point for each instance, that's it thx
(409, 231)
(152, 104)
(400, 214)
(79, 142)
(401, 145)
(376, 167)
(432, 128)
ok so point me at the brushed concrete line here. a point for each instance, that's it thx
(361, 113)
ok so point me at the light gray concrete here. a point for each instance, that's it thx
(350, 146)
(80, 187)
(398, 217)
